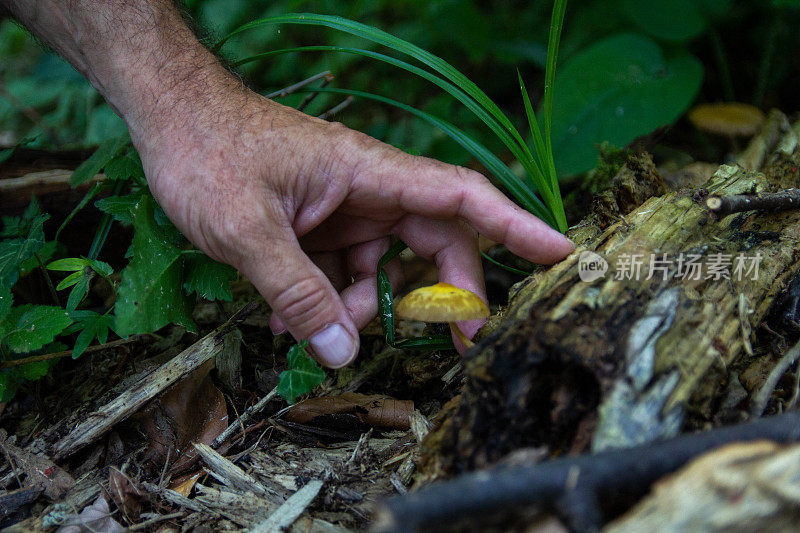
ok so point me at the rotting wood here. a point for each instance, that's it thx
(232, 476)
(130, 401)
(291, 509)
(625, 360)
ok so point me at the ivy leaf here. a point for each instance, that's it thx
(91, 325)
(29, 327)
(208, 278)
(14, 252)
(98, 160)
(303, 375)
(150, 295)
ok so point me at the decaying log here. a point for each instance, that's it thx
(585, 490)
(617, 360)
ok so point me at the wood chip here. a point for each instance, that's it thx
(291, 509)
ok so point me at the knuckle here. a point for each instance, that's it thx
(302, 304)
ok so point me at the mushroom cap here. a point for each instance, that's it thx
(731, 118)
(442, 303)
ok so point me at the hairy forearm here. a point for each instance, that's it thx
(139, 54)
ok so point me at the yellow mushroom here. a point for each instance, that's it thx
(730, 119)
(443, 303)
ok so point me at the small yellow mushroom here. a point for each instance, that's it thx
(443, 303)
(731, 119)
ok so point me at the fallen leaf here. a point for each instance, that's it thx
(39, 470)
(192, 410)
(372, 409)
(125, 493)
(184, 484)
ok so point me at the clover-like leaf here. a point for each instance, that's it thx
(302, 376)
(120, 207)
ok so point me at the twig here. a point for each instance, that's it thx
(155, 520)
(291, 509)
(579, 488)
(310, 98)
(722, 206)
(335, 109)
(245, 418)
(65, 353)
(30, 113)
(286, 91)
(766, 390)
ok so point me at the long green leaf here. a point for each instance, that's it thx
(499, 170)
(556, 23)
(545, 158)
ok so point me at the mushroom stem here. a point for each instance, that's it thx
(460, 334)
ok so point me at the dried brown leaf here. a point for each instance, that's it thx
(372, 409)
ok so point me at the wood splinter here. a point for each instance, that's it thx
(722, 206)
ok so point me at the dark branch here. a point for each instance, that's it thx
(581, 489)
(723, 206)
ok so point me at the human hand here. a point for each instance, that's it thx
(305, 208)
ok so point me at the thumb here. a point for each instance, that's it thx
(304, 299)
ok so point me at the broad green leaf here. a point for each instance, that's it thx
(91, 325)
(14, 252)
(303, 375)
(614, 91)
(29, 327)
(98, 160)
(120, 207)
(150, 295)
(69, 264)
(668, 20)
(208, 278)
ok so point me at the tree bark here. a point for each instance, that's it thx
(617, 361)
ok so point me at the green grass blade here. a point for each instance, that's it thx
(377, 36)
(556, 23)
(537, 178)
(545, 158)
(498, 169)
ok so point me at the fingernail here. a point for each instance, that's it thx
(334, 346)
(280, 331)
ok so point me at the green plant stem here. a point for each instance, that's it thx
(505, 267)
(765, 65)
(105, 224)
(47, 279)
(722, 65)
